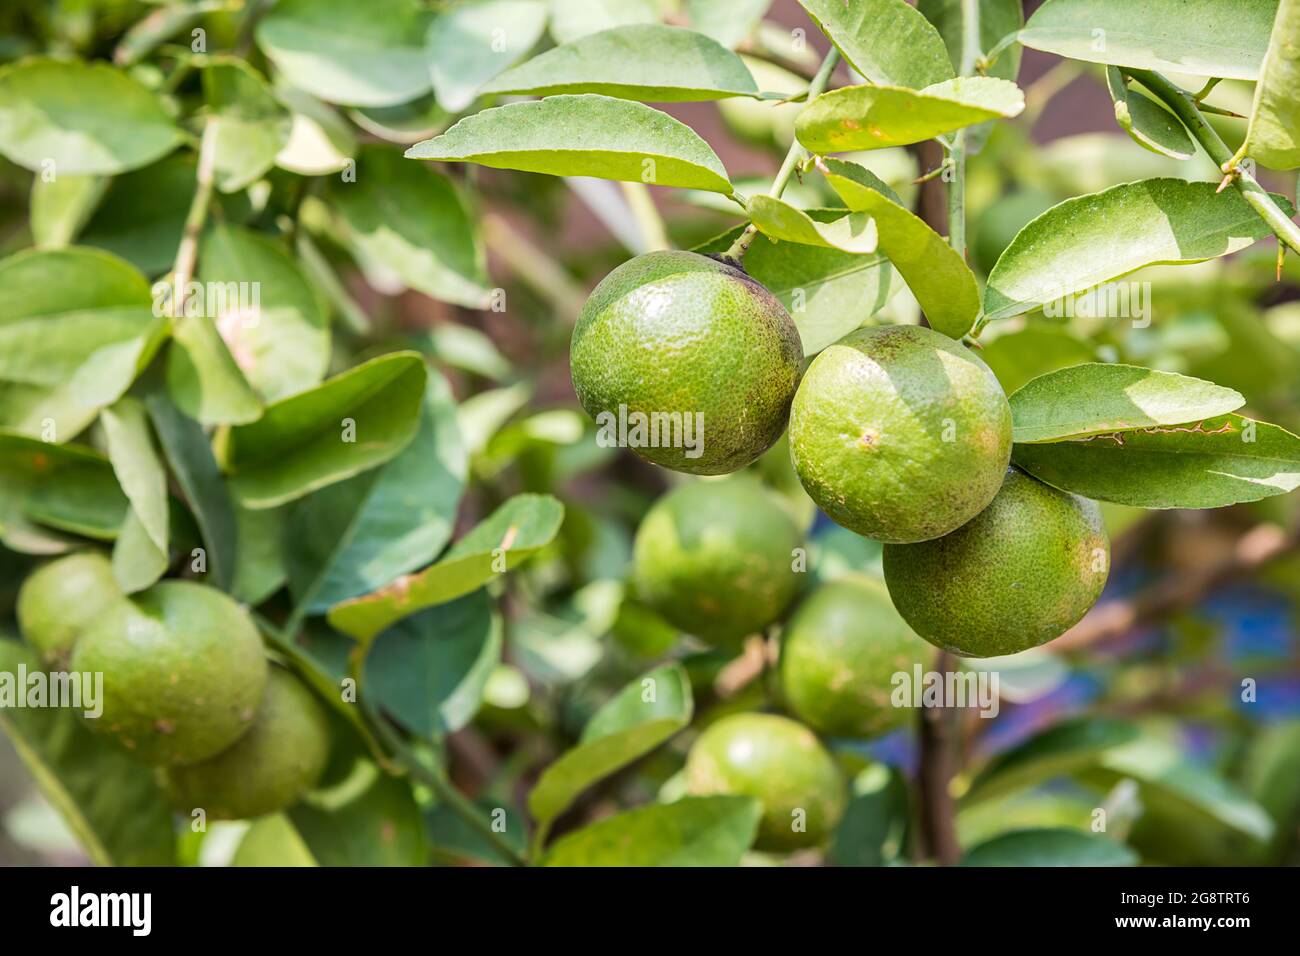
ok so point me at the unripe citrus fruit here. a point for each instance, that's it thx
(714, 558)
(694, 351)
(1024, 571)
(900, 433)
(183, 672)
(783, 765)
(267, 769)
(57, 601)
(839, 654)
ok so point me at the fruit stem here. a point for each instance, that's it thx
(793, 158)
(1184, 107)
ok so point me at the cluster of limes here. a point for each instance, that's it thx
(897, 433)
(186, 686)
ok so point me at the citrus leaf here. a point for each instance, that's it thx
(1273, 139)
(111, 803)
(1059, 750)
(855, 232)
(320, 140)
(584, 135)
(370, 819)
(470, 43)
(998, 19)
(888, 41)
(1149, 124)
(272, 841)
(61, 207)
(1035, 350)
(645, 61)
(873, 117)
(67, 487)
(694, 831)
(1049, 846)
(357, 54)
(637, 719)
(138, 562)
(571, 19)
(943, 284)
(259, 553)
(1086, 241)
(727, 21)
(203, 378)
(68, 118)
(410, 219)
(1199, 37)
(504, 540)
(250, 127)
(1096, 398)
(1207, 464)
(342, 427)
(144, 480)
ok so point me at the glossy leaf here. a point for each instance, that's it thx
(1208, 464)
(586, 135)
(1059, 750)
(504, 540)
(873, 117)
(357, 54)
(1050, 847)
(1088, 240)
(888, 41)
(854, 233)
(1149, 125)
(370, 819)
(693, 831)
(74, 119)
(572, 19)
(998, 19)
(250, 127)
(649, 62)
(470, 43)
(1273, 139)
(348, 424)
(410, 219)
(145, 537)
(1095, 398)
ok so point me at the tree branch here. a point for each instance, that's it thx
(939, 748)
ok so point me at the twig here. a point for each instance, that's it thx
(188, 250)
(646, 215)
(939, 746)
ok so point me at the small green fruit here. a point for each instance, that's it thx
(57, 601)
(900, 433)
(1020, 574)
(715, 558)
(839, 655)
(675, 339)
(183, 668)
(783, 765)
(267, 769)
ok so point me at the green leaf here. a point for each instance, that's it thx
(349, 424)
(1273, 139)
(998, 19)
(470, 43)
(74, 119)
(66, 487)
(1095, 398)
(943, 284)
(271, 320)
(571, 19)
(637, 719)
(1148, 123)
(1035, 350)
(873, 117)
(357, 54)
(428, 671)
(137, 561)
(320, 140)
(1208, 464)
(586, 135)
(1198, 37)
(361, 534)
(1061, 749)
(203, 378)
(250, 127)
(1086, 241)
(644, 61)
(888, 41)
(873, 831)
(191, 460)
(272, 841)
(1050, 847)
(727, 21)
(410, 219)
(145, 536)
(260, 562)
(504, 540)
(855, 232)
(111, 803)
(694, 831)
(370, 819)
(61, 207)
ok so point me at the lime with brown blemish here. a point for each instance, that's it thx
(687, 361)
(58, 601)
(1023, 572)
(267, 769)
(716, 558)
(783, 765)
(900, 433)
(183, 668)
(840, 654)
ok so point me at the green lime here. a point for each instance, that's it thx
(715, 558)
(183, 672)
(267, 769)
(840, 653)
(1020, 574)
(58, 600)
(783, 765)
(687, 361)
(900, 433)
